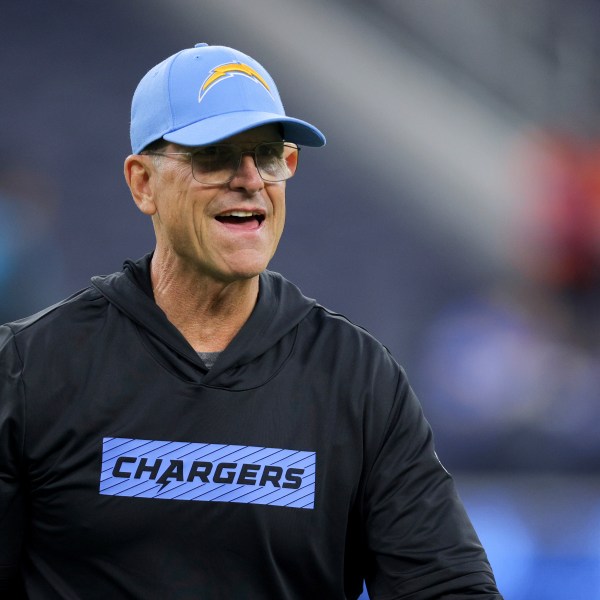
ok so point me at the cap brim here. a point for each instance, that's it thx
(215, 129)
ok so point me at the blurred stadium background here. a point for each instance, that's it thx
(454, 213)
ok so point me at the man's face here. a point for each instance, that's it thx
(228, 231)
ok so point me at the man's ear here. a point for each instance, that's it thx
(138, 170)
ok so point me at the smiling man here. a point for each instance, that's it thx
(193, 426)
(218, 214)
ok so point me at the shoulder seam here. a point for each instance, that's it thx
(19, 326)
(350, 322)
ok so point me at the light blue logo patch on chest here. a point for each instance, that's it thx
(207, 472)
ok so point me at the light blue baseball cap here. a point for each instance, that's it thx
(205, 94)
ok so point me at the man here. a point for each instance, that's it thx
(193, 426)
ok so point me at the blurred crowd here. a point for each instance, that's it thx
(511, 369)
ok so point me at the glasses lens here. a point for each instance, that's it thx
(276, 161)
(217, 164)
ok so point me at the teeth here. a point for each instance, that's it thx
(238, 213)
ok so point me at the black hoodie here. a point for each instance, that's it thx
(297, 466)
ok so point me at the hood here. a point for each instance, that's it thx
(269, 333)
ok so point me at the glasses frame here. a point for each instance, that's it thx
(242, 152)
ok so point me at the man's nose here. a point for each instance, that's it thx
(247, 174)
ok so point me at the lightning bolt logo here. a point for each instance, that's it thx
(230, 70)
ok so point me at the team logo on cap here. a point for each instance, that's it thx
(228, 70)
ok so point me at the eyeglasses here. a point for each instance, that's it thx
(218, 164)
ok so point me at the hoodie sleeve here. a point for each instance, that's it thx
(12, 512)
(420, 542)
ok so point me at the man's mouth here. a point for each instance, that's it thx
(242, 218)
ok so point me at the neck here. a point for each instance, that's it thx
(207, 312)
